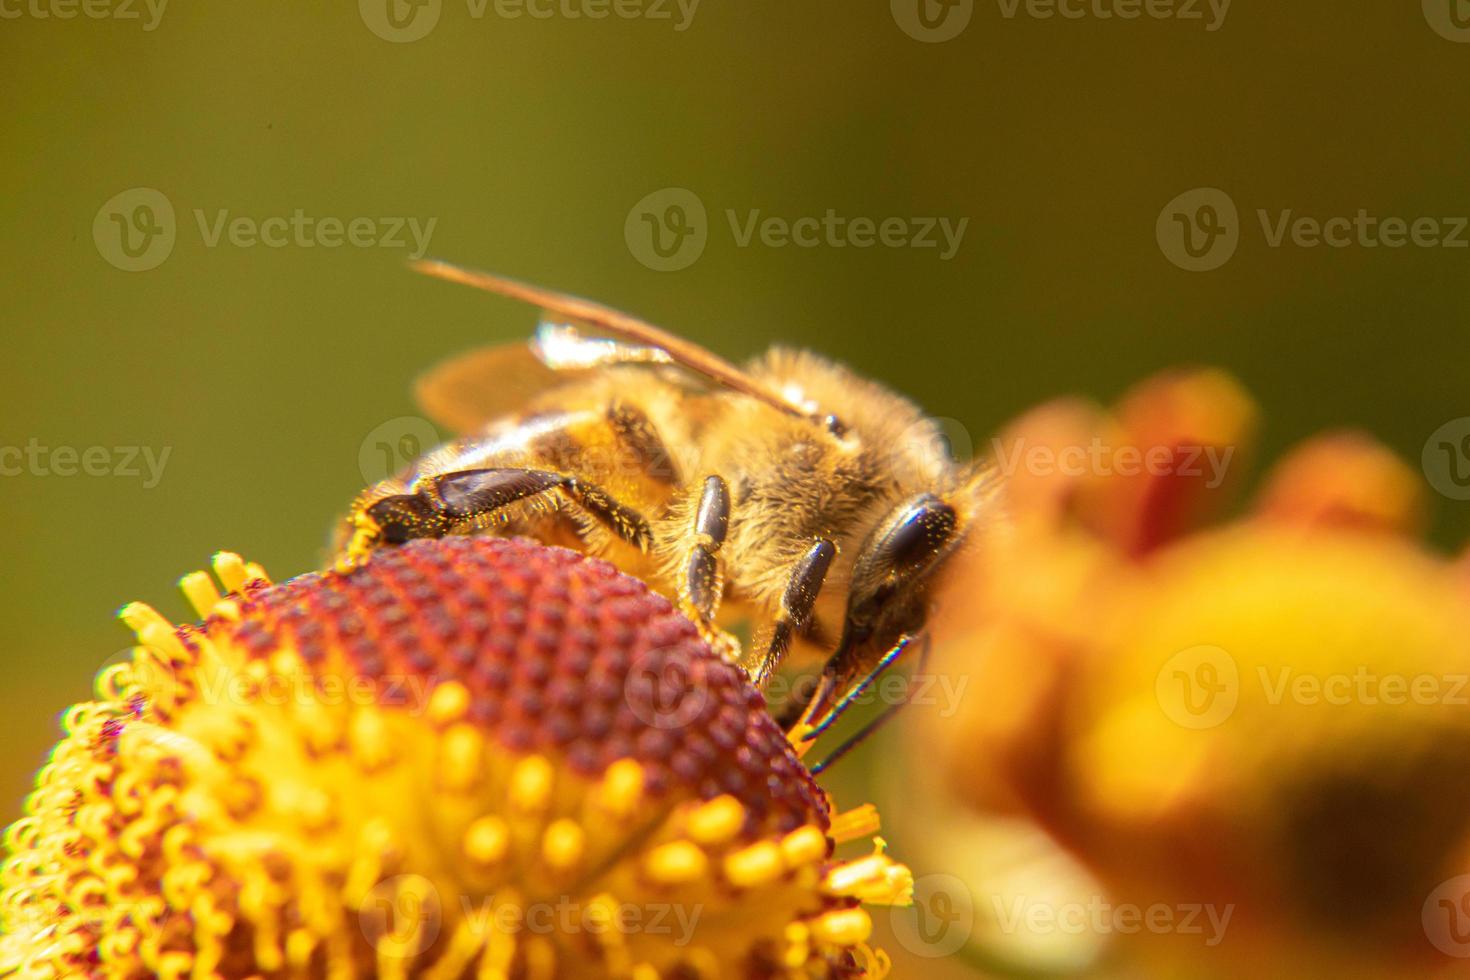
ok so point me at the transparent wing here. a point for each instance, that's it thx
(570, 337)
(463, 393)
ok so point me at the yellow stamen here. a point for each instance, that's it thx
(199, 589)
(487, 840)
(530, 784)
(563, 845)
(448, 703)
(461, 754)
(621, 788)
(807, 845)
(855, 824)
(229, 568)
(717, 821)
(676, 863)
(843, 927)
(756, 865)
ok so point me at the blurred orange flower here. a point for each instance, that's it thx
(1263, 719)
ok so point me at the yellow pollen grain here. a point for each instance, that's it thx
(804, 846)
(563, 845)
(843, 927)
(676, 863)
(621, 789)
(646, 971)
(530, 784)
(487, 840)
(255, 572)
(854, 824)
(717, 821)
(756, 865)
(448, 703)
(461, 758)
(229, 568)
(199, 589)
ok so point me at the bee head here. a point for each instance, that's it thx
(893, 573)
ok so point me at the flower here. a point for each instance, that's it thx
(1264, 717)
(468, 758)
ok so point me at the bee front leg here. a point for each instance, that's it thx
(442, 504)
(797, 602)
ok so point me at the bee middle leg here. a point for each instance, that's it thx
(701, 585)
(447, 502)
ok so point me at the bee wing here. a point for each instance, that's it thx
(634, 340)
(464, 392)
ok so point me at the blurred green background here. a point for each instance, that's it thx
(261, 371)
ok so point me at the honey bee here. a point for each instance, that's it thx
(791, 494)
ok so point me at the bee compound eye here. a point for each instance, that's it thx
(917, 534)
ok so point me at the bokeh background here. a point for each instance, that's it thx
(266, 374)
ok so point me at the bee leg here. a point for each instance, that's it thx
(702, 584)
(636, 433)
(887, 714)
(448, 501)
(797, 602)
